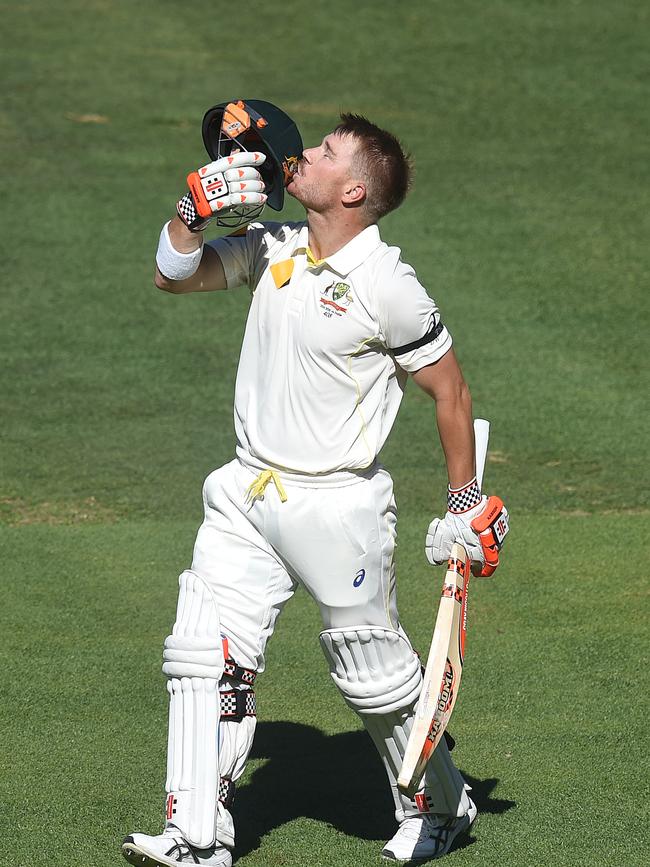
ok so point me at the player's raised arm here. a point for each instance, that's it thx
(230, 186)
(187, 250)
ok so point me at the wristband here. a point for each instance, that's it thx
(172, 264)
(465, 498)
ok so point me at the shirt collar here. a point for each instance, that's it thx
(348, 257)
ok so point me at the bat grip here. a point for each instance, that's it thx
(481, 437)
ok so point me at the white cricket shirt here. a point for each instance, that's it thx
(327, 347)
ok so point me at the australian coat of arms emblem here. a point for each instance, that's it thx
(336, 299)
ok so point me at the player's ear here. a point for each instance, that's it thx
(354, 193)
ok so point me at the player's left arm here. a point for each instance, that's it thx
(478, 522)
(420, 343)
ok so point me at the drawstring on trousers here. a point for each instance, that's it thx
(256, 489)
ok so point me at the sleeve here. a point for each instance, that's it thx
(409, 319)
(240, 254)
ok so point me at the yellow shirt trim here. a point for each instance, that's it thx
(311, 261)
(281, 272)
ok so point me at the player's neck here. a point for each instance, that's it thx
(328, 233)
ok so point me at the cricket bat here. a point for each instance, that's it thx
(445, 663)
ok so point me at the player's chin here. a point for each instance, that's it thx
(292, 188)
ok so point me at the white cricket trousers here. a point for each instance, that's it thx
(336, 541)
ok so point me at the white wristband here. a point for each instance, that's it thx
(171, 263)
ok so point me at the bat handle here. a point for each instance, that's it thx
(481, 437)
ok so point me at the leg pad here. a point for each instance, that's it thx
(376, 669)
(192, 758)
(379, 675)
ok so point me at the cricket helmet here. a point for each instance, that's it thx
(256, 125)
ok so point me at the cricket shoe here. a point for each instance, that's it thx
(171, 848)
(422, 838)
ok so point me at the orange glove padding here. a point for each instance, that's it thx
(491, 526)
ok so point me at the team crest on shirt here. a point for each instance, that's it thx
(335, 299)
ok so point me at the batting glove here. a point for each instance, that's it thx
(481, 529)
(228, 185)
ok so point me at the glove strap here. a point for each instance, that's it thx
(186, 210)
(492, 528)
(465, 498)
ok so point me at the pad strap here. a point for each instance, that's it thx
(238, 672)
(231, 669)
(236, 704)
(226, 792)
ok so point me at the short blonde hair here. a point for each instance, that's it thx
(382, 162)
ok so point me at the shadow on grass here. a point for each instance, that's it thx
(337, 779)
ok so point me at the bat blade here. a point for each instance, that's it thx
(443, 672)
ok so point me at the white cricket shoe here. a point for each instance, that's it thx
(422, 838)
(170, 849)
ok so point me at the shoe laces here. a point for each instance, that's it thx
(416, 828)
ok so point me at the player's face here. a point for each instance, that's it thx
(324, 173)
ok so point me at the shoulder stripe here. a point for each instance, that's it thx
(429, 337)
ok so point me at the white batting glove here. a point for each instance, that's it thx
(443, 532)
(220, 187)
(480, 529)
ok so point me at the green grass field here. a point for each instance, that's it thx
(528, 121)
